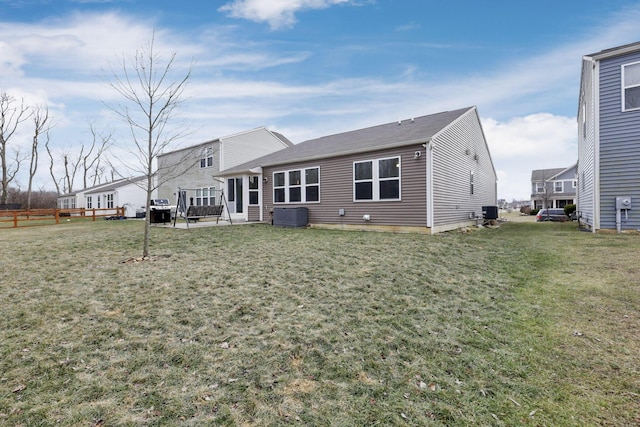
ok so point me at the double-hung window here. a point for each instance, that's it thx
(312, 184)
(89, 202)
(557, 187)
(376, 180)
(206, 158)
(297, 186)
(631, 86)
(109, 199)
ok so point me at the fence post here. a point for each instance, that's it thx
(15, 219)
(57, 213)
(93, 214)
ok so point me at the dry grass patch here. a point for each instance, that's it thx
(529, 324)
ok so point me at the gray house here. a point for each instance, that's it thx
(196, 169)
(609, 139)
(432, 173)
(553, 188)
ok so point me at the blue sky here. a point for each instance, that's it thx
(308, 68)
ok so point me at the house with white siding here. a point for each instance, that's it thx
(553, 188)
(195, 170)
(431, 173)
(609, 139)
(127, 193)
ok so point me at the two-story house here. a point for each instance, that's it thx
(553, 188)
(195, 170)
(609, 139)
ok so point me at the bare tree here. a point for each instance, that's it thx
(11, 115)
(91, 161)
(40, 116)
(70, 170)
(55, 180)
(151, 97)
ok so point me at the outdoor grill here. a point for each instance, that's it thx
(159, 211)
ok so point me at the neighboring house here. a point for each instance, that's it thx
(195, 169)
(609, 138)
(553, 188)
(127, 193)
(433, 172)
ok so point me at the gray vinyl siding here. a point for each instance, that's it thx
(236, 149)
(336, 191)
(586, 146)
(568, 190)
(187, 172)
(619, 146)
(453, 202)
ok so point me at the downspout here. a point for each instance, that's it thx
(429, 186)
(260, 201)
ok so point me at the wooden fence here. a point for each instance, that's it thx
(29, 218)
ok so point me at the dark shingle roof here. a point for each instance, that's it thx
(395, 134)
(282, 138)
(545, 174)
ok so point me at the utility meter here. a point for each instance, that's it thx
(623, 202)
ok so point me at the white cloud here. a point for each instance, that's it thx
(59, 61)
(278, 13)
(253, 61)
(408, 27)
(522, 144)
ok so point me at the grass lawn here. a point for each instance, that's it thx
(529, 324)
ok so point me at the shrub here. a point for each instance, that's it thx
(534, 211)
(569, 209)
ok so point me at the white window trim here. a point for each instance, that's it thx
(555, 188)
(623, 87)
(375, 180)
(198, 199)
(303, 186)
(253, 190)
(206, 154)
(539, 187)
